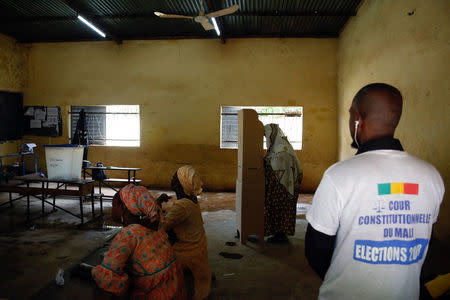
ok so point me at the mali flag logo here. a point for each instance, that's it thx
(398, 188)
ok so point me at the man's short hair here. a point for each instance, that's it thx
(377, 86)
(385, 113)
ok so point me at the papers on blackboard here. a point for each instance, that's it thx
(39, 114)
(29, 111)
(35, 124)
(52, 111)
(45, 121)
(52, 116)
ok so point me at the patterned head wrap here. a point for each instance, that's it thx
(192, 184)
(140, 202)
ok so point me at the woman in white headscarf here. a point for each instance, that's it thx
(283, 178)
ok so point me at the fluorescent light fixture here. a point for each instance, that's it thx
(215, 25)
(91, 26)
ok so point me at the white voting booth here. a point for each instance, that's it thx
(250, 180)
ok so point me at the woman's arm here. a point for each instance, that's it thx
(176, 215)
(110, 274)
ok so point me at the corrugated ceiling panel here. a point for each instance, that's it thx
(105, 7)
(282, 26)
(37, 8)
(56, 31)
(128, 19)
(7, 11)
(140, 28)
(292, 6)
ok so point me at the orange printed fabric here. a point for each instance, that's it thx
(140, 202)
(144, 257)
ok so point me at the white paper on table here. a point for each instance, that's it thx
(39, 114)
(30, 111)
(35, 124)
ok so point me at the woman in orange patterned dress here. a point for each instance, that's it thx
(140, 256)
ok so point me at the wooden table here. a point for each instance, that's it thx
(85, 187)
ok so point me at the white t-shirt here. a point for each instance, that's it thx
(381, 206)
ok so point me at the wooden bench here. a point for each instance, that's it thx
(122, 180)
(109, 181)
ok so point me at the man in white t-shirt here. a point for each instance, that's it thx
(372, 215)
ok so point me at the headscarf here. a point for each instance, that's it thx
(186, 183)
(279, 149)
(140, 202)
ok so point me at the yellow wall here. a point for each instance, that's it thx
(180, 86)
(384, 44)
(12, 78)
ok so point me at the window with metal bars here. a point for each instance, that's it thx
(109, 125)
(289, 118)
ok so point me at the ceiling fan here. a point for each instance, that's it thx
(202, 18)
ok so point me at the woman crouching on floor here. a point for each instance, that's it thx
(185, 219)
(140, 255)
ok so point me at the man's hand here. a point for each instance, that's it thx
(163, 198)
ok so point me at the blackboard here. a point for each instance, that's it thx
(11, 107)
(42, 120)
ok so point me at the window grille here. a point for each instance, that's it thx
(289, 118)
(110, 125)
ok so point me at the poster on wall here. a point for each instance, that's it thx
(42, 120)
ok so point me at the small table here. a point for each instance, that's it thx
(85, 187)
(22, 155)
(130, 179)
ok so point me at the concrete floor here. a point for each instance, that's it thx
(251, 277)
(32, 252)
(32, 257)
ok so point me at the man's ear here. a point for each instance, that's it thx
(360, 121)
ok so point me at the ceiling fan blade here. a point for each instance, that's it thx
(167, 16)
(207, 25)
(223, 12)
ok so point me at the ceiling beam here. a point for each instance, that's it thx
(37, 20)
(295, 14)
(89, 16)
(178, 37)
(98, 18)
